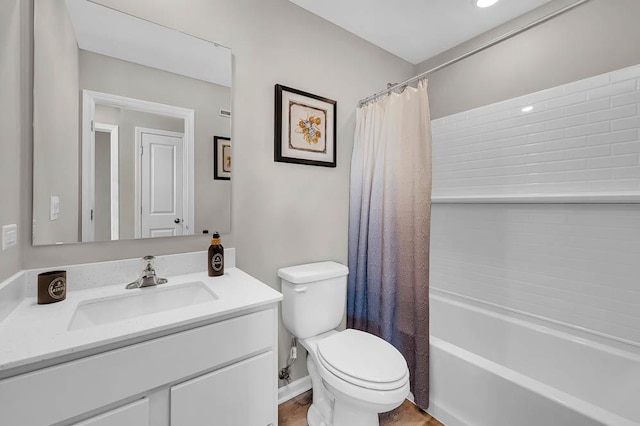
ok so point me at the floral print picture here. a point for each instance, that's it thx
(308, 128)
(221, 158)
(305, 128)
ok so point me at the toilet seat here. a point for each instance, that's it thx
(364, 360)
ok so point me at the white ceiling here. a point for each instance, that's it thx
(416, 30)
(111, 33)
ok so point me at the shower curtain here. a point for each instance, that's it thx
(389, 221)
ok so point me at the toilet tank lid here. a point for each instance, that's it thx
(310, 272)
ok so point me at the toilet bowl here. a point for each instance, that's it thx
(355, 375)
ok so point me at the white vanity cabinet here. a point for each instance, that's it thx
(221, 373)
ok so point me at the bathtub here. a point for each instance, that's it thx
(493, 369)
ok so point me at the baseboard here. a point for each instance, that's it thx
(294, 389)
(444, 416)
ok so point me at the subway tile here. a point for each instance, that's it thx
(626, 148)
(612, 138)
(590, 129)
(626, 123)
(497, 144)
(613, 114)
(533, 117)
(614, 161)
(543, 157)
(563, 123)
(546, 136)
(625, 74)
(564, 101)
(587, 107)
(565, 143)
(589, 152)
(626, 99)
(611, 90)
(567, 165)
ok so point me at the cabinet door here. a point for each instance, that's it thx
(241, 394)
(135, 414)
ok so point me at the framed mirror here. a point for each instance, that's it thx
(126, 115)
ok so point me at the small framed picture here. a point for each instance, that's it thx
(305, 128)
(221, 158)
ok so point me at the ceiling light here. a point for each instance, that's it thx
(485, 3)
(527, 108)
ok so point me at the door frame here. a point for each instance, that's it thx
(89, 100)
(138, 173)
(114, 172)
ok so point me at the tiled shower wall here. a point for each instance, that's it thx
(574, 263)
(581, 138)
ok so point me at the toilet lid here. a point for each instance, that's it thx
(364, 357)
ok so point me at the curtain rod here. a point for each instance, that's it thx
(490, 43)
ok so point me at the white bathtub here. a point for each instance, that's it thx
(491, 369)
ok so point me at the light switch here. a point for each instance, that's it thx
(54, 207)
(9, 236)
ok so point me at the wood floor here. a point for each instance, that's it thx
(294, 413)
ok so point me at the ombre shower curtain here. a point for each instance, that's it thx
(389, 223)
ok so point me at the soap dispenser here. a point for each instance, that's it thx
(216, 257)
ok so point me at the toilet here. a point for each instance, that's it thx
(354, 375)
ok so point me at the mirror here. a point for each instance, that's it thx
(132, 127)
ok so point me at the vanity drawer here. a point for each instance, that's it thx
(67, 390)
(134, 414)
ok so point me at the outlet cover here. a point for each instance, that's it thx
(9, 236)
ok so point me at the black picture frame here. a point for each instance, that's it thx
(218, 159)
(287, 154)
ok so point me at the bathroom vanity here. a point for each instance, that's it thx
(194, 351)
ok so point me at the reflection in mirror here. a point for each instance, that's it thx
(125, 117)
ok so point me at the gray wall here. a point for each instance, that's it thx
(596, 37)
(282, 214)
(127, 121)
(105, 74)
(56, 124)
(10, 144)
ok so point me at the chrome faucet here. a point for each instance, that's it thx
(148, 277)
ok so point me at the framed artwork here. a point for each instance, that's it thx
(221, 158)
(305, 128)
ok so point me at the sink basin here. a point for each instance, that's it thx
(140, 302)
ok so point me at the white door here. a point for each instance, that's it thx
(161, 183)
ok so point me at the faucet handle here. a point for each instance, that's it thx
(148, 264)
(148, 277)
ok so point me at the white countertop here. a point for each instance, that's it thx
(35, 333)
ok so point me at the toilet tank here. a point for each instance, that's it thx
(314, 297)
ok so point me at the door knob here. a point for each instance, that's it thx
(176, 221)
